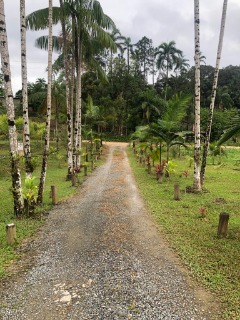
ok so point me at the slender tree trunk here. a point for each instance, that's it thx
(128, 60)
(48, 116)
(214, 90)
(72, 110)
(68, 96)
(79, 84)
(197, 144)
(77, 106)
(26, 131)
(5, 62)
(56, 126)
(166, 89)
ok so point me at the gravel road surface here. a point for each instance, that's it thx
(100, 256)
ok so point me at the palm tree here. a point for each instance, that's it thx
(117, 38)
(128, 46)
(214, 90)
(48, 116)
(197, 144)
(26, 131)
(182, 65)
(15, 171)
(167, 58)
(89, 23)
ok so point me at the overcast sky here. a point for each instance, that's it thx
(159, 20)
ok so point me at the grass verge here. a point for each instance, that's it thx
(190, 225)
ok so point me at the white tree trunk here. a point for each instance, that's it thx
(214, 90)
(5, 62)
(77, 128)
(197, 143)
(79, 97)
(68, 97)
(26, 131)
(48, 116)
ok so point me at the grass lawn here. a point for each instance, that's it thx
(26, 227)
(191, 224)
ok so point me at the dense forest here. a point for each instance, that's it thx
(132, 88)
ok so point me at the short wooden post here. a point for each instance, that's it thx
(144, 162)
(223, 224)
(85, 171)
(140, 159)
(74, 180)
(149, 168)
(176, 192)
(11, 233)
(54, 195)
(92, 165)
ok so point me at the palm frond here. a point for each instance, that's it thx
(42, 43)
(38, 20)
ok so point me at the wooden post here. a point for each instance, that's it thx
(149, 168)
(74, 180)
(223, 224)
(140, 159)
(85, 171)
(92, 163)
(144, 162)
(54, 195)
(160, 177)
(176, 192)
(11, 233)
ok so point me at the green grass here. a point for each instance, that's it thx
(27, 227)
(212, 261)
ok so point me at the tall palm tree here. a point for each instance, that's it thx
(5, 62)
(167, 58)
(128, 46)
(88, 23)
(214, 90)
(48, 115)
(197, 144)
(26, 131)
(118, 40)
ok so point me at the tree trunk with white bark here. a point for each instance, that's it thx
(26, 131)
(79, 97)
(214, 90)
(48, 116)
(68, 96)
(5, 62)
(197, 130)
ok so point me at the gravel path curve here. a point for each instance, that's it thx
(100, 256)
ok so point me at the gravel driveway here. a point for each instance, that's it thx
(100, 256)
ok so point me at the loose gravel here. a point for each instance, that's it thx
(100, 256)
